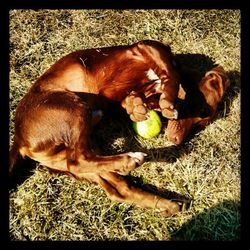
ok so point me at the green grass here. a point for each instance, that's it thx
(52, 206)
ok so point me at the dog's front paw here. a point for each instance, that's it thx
(167, 107)
(136, 107)
(134, 159)
(138, 157)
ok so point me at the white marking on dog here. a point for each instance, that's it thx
(152, 76)
(138, 156)
(175, 114)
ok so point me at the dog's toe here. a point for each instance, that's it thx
(138, 157)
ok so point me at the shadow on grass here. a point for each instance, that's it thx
(221, 222)
(200, 62)
(182, 200)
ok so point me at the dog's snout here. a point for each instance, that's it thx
(176, 139)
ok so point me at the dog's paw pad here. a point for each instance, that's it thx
(170, 113)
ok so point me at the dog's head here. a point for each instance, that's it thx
(198, 102)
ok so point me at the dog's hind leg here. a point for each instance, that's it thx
(118, 189)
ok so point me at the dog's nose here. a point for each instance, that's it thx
(176, 139)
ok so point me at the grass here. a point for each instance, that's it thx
(206, 168)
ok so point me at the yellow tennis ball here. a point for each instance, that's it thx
(150, 127)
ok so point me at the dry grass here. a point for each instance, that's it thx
(206, 168)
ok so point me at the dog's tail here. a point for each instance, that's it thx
(15, 158)
(19, 167)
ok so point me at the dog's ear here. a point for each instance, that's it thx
(216, 80)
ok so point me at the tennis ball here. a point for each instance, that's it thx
(150, 127)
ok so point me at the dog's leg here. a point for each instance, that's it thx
(121, 164)
(87, 163)
(118, 189)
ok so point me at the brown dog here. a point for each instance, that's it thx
(55, 118)
(199, 101)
